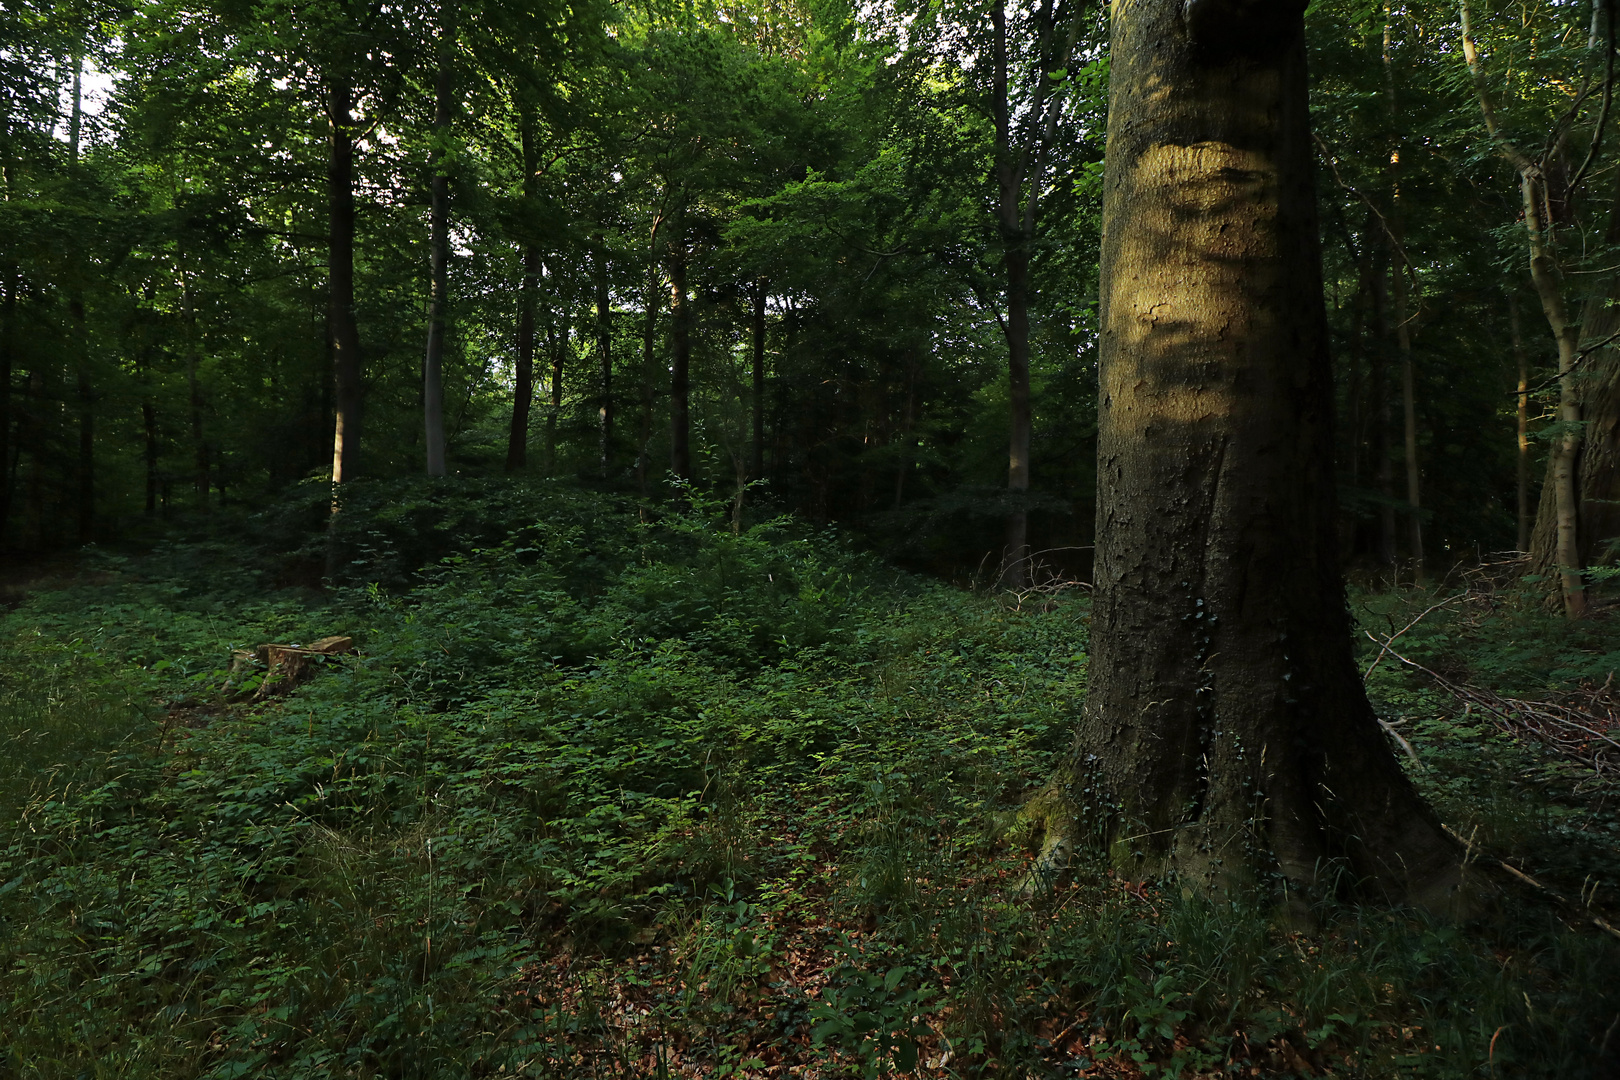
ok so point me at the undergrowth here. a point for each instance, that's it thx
(612, 792)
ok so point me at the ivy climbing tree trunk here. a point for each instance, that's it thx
(1226, 730)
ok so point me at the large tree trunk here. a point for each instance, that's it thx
(604, 360)
(439, 245)
(1226, 730)
(517, 436)
(345, 333)
(1598, 388)
(680, 315)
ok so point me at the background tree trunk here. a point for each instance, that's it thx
(680, 314)
(1225, 727)
(759, 380)
(1015, 264)
(1522, 360)
(8, 320)
(558, 341)
(649, 369)
(1385, 471)
(345, 333)
(604, 359)
(439, 245)
(517, 438)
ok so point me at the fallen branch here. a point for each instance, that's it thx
(1562, 727)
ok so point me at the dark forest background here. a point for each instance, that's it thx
(830, 194)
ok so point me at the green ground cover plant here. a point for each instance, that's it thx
(615, 790)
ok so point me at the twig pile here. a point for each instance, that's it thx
(1584, 729)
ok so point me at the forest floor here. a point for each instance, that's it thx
(596, 797)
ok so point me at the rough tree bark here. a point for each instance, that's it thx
(1226, 736)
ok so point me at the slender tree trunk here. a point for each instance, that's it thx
(649, 369)
(87, 430)
(439, 243)
(1414, 502)
(345, 332)
(1522, 360)
(33, 528)
(680, 314)
(8, 321)
(558, 341)
(149, 426)
(604, 360)
(906, 420)
(517, 438)
(85, 392)
(1545, 276)
(1403, 334)
(1015, 264)
(758, 469)
(1225, 729)
(1385, 469)
(201, 482)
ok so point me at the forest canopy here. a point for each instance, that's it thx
(847, 251)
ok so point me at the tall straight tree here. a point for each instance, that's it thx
(1021, 149)
(604, 359)
(342, 328)
(1226, 724)
(439, 241)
